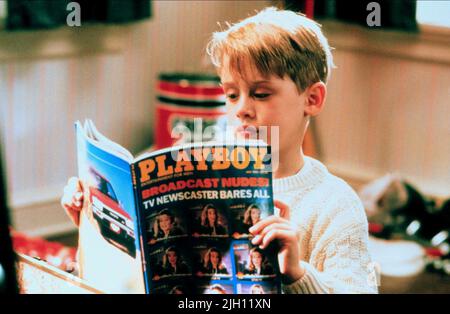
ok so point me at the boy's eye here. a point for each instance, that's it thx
(261, 95)
(231, 96)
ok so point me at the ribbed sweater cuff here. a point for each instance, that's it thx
(310, 282)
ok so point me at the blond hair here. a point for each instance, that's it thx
(275, 42)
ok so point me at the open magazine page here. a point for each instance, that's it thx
(197, 203)
(109, 246)
(106, 143)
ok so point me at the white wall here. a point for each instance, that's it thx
(388, 106)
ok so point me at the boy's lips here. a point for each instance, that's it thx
(247, 131)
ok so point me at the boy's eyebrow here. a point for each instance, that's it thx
(260, 82)
(251, 83)
(225, 83)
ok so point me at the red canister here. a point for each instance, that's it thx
(181, 98)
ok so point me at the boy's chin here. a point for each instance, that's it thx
(246, 136)
(250, 137)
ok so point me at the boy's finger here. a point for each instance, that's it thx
(66, 200)
(257, 239)
(277, 226)
(263, 223)
(76, 202)
(74, 215)
(80, 186)
(74, 184)
(284, 210)
(69, 190)
(73, 181)
(79, 196)
(73, 209)
(276, 211)
(272, 235)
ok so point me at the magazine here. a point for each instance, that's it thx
(175, 220)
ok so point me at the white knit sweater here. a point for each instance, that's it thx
(333, 232)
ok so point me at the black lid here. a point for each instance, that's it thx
(193, 78)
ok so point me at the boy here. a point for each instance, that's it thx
(273, 67)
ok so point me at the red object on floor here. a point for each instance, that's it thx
(53, 253)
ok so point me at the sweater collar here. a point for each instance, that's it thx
(312, 173)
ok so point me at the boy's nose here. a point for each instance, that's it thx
(245, 109)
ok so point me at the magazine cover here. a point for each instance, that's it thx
(175, 221)
(197, 203)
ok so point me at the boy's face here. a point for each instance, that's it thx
(261, 101)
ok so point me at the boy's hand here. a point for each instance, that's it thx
(278, 227)
(72, 199)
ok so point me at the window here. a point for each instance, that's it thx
(436, 13)
(111, 193)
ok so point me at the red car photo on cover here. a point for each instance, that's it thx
(115, 224)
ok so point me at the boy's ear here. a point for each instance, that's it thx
(315, 98)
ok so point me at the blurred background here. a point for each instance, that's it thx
(386, 117)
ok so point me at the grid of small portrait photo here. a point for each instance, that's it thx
(213, 287)
(208, 245)
(209, 220)
(212, 261)
(262, 287)
(166, 224)
(174, 286)
(246, 215)
(170, 261)
(253, 264)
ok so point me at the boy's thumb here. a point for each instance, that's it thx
(283, 209)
